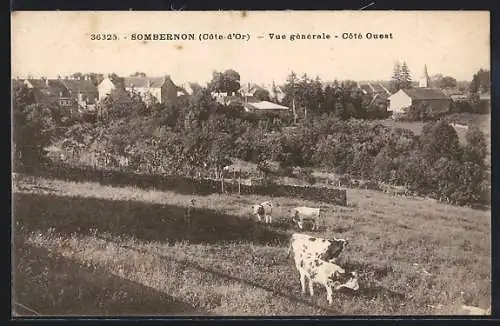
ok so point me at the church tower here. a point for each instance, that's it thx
(424, 79)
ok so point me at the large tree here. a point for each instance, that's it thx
(227, 81)
(305, 93)
(481, 83)
(446, 82)
(405, 78)
(34, 126)
(396, 77)
(262, 94)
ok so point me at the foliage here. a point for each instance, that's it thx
(476, 148)
(34, 126)
(405, 78)
(197, 134)
(401, 77)
(138, 74)
(262, 94)
(481, 82)
(120, 104)
(445, 82)
(227, 81)
(439, 139)
(396, 77)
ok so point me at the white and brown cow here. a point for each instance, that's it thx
(324, 249)
(305, 215)
(316, 270)
(263, 210)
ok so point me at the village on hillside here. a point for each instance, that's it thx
(84, 92)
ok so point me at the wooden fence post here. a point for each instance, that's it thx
(222, 183)
(239, 183)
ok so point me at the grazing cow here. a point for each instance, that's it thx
(330, 275)
(263, 209)
(327, 250)
(303, 214)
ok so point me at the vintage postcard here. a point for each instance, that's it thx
(254, 163)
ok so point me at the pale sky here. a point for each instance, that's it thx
(454, 43)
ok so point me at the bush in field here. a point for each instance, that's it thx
(414, 171)
(439, 139)
(457, 172)
(476, 148)
(362, 161)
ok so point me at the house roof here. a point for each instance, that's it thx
(47, 86)
(186, 87)
(265, 105)
(39, 83)
(369, 88)
(270, 88)
(156, 82)
(249, 88)
(485, 96)
(79, 85)
(379, 88)
(458, 96)
(426, 94)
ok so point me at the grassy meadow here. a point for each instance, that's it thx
(85, 248)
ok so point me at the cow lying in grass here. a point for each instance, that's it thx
(310, 266)
(263, 211)
(305, 215)
(324, 249)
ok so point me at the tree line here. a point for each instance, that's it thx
(197, 133)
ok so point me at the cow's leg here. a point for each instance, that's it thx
(311, 288)
(303, 281)
(270, 219)
(329, 293)
(258, 217)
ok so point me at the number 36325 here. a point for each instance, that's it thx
(103, 37)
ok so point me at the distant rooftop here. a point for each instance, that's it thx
(426, 94)
(265, 105)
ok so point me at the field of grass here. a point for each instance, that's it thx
(84, 248)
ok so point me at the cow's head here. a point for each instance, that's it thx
(293, 214)
(344, 280)
(258, 209)
(334, 249)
